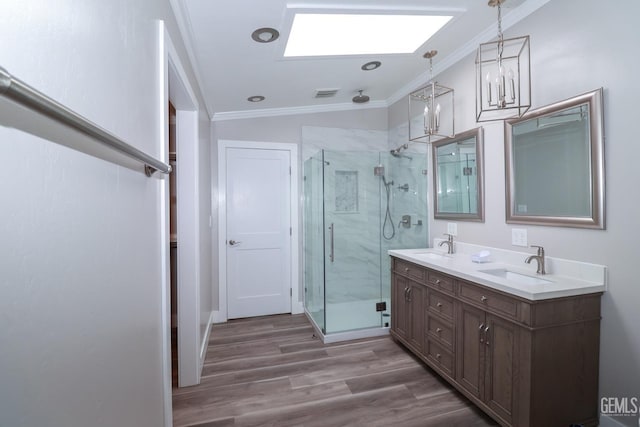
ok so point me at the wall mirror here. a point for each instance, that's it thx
(555, 164)
(458, 177)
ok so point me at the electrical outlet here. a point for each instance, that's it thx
(519, 237)
(452, 228)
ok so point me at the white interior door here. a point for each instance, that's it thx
(258, 212)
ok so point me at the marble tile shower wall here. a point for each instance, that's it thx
(353, 274)
(355, 202)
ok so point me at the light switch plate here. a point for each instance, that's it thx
(452, 228)
(519, 237)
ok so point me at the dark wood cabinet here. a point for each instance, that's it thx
(525, 363)
(407, 311)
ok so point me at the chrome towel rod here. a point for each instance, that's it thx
(20, 92)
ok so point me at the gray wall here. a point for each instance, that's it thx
(573, 52)
(80, 260)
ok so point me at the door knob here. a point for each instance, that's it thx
(233, 242)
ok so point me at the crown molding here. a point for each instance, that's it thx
(184, 28)
(308, 109)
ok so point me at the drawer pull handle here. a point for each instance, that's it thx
(480, 329)
(439, 330)
(486, 331)
(439, 305)
(483, 298)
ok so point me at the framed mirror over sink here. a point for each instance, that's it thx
(555, 164)
(458, 177)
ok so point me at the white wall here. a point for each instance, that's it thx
(576, 46)
(80, 260)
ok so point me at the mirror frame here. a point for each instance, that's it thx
(596, 134)
(478, 133)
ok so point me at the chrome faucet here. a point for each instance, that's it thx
(539, 257)
(448, 242)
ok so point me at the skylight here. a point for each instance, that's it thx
(351, 34)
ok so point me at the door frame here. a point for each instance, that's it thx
(173, 84)
(220, 316)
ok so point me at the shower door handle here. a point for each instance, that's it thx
(331, 254)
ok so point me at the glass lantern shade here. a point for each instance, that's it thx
(431, 113)
(503, 79)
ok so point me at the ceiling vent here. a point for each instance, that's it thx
(326, 93)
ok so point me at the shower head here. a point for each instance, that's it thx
(360, 99)
(396, 152)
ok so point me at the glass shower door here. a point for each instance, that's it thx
(352, 247)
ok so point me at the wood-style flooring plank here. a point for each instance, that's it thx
(271, 371)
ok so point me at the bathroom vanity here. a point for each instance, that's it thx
(523, 348)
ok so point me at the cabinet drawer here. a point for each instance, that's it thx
(441, 304)
(441, 331)
(412, 271)
(440, 357)
(441, 282)
(495, 301)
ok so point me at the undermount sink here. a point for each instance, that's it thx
(514, 277)
(431, 255)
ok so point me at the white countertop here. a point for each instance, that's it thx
(572, 277)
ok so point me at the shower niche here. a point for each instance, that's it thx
(357, 206)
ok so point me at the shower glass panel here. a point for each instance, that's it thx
(314, 239)
(351, 214)
(358, 205)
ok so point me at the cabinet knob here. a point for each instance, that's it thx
(438, 330)
(439, 305)
(483, 298)
(437, 281)
(438, 356)
(406, 269)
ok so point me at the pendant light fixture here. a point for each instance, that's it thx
(503, 76)
(431, 109)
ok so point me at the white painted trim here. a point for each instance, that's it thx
(184, 26)
(176, 86)
(297, 307)
(205, 341)
(163, 210)
(188, 225)
(220, 315)
(290, 111)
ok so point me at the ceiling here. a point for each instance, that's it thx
(231, 67)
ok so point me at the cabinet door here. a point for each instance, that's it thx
(400, 306)
(416, 297)
(470, 349)
(501, 352)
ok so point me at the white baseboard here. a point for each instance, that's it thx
(297, 307)
(218, 317)
(205, 341)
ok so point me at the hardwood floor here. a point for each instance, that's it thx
(272, 371)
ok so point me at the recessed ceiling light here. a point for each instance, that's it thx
(371, 65)
(331, 34)
(265, 35)
(255, 98)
